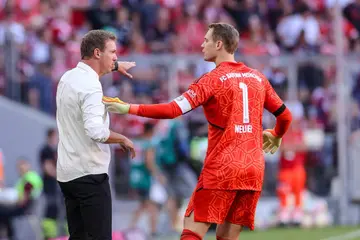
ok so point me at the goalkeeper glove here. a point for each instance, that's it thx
(116, 105)
(271, 142)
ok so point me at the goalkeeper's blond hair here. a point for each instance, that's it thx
(227, 34)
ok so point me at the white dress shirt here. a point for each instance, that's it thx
(83, 125)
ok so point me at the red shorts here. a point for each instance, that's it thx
(217, 206)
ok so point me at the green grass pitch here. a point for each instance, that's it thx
(300, 234)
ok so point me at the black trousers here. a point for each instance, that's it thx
(88, 207)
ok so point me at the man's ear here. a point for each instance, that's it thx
(219, 44)
(97, 53)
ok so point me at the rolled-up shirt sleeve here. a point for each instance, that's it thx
(93, 112)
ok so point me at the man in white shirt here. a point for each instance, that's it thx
(84, 138)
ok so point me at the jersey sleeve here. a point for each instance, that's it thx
(197, 94)
(276, 106)
(157, 111)
(273, 102)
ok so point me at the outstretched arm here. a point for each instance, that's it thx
(197, 94)
(158, 111)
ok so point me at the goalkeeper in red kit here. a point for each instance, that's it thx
(233, 97)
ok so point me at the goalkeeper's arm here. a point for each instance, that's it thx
(283, 121)
(272, 137)
(158, 111)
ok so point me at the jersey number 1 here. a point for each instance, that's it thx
(244, 88)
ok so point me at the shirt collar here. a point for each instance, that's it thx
(232, 64)
(87, 68)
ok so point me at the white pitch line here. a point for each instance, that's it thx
(346, 236)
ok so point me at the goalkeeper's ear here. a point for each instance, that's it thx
(219, 44)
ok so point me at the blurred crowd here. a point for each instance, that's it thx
(41, 39)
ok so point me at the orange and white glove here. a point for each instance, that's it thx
(271, 142)
(115, 105)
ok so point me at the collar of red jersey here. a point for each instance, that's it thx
(231, 64)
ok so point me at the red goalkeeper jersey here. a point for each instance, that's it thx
(233, 96)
